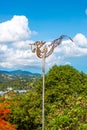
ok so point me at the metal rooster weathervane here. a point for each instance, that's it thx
(43, 51)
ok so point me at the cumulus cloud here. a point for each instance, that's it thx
(76, 48)
(80, 40)
(16, 32)
(69, 49)
(22, 44)
(15, 29)
(18, 53)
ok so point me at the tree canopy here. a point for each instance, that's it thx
(65, 102)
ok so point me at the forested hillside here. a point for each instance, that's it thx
(65, 102)
(17, 79)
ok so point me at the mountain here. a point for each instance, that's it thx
(17, 72)
(17, 79)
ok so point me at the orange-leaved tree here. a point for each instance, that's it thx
(4, 123)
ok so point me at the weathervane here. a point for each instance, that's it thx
(43, 51)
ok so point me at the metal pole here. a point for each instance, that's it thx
(44, 53)
(43, 75)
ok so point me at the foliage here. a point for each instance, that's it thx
(4, 123)
(65, 102)
(18, 81)
(25, 111)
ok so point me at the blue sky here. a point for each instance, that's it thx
(26, 21)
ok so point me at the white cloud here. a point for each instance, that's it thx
(67, 63)
(22, 44)
(80, 40)
(68, 49)
(18, 53)
(76, 48)
(6, 64)
(15, 29)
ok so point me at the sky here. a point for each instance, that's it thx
(26, 21)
